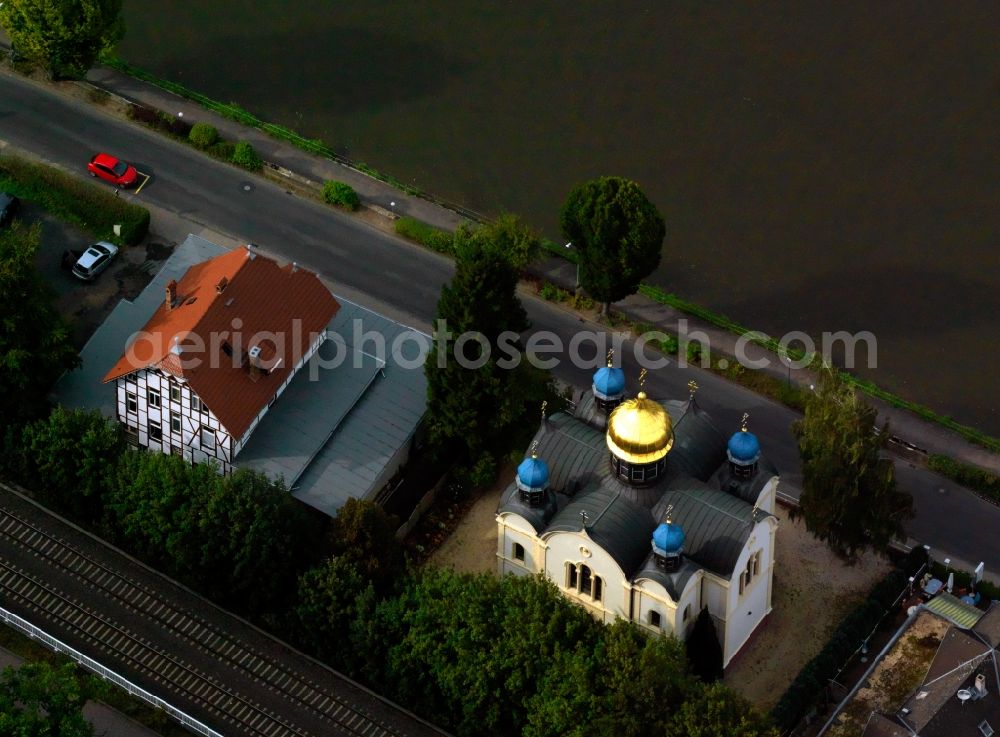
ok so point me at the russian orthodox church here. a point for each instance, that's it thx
(642, 509)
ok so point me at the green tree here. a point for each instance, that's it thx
(64, 36)
(481, 298)
(471, 651)
(563, 704)
(35, 343)
(39, 700)
(849, 495)
(364, 535)
(712, 710)
(703, 649)
(617, 233)
(333, 598)
(642, 680)
(67, 457)
(154, 510)
(508, 234)
(241, 539)
(258, 536)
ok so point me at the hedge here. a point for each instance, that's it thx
(436, 239)
(978, 479)
(95, 209)
(807, 689)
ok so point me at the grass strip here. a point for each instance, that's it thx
(92, 208)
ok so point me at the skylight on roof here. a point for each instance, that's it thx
(986, 729)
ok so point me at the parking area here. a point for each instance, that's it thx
(86, 304)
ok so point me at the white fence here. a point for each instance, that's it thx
(92, 665)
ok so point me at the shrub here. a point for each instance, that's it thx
(95, 209)
(341, 194)
(176, 126)
(145, 115)
(245, 156)
(203, 135)
(434, 238)
(222, 150)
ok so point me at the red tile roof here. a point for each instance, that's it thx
(278, 309)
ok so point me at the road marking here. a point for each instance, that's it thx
(139, 188)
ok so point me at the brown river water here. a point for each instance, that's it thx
(819, 168)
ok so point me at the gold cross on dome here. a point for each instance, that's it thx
(545, 403)
(642, 378)
(743, 422)
(611, 357)
(667, 512)
(534, 449)
(692, 387)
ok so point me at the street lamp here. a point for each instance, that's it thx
(577, 287)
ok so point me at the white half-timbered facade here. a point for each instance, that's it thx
(225, 343)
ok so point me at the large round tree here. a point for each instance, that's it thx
(617, 233)
(64, 36)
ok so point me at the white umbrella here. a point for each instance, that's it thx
(951, 581)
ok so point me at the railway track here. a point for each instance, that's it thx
(31, 592)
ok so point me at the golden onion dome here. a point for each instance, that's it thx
(639, 430)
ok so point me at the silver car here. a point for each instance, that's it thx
(94, 260)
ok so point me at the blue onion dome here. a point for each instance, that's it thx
(533, 473)
(668, 538)
(744, 448)
(609, 382)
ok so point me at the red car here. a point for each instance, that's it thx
(113, 170)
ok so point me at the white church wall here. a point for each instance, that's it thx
(576, 548)
(750, 588)
(688, 606)
(649, 597)
(513, 530)
(767, 498)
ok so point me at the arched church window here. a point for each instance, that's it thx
(518, 552)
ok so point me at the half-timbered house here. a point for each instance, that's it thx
(223, 345)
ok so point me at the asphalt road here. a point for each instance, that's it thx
(369, 262)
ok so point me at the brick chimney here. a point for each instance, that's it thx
(221, 286)
(171, 294)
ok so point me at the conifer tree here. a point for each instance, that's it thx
(471, 395)
(703, 649)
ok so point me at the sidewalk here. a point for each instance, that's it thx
(924, 435)
(104, 719)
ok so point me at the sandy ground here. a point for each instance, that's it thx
(472, 546)
(813, 591)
